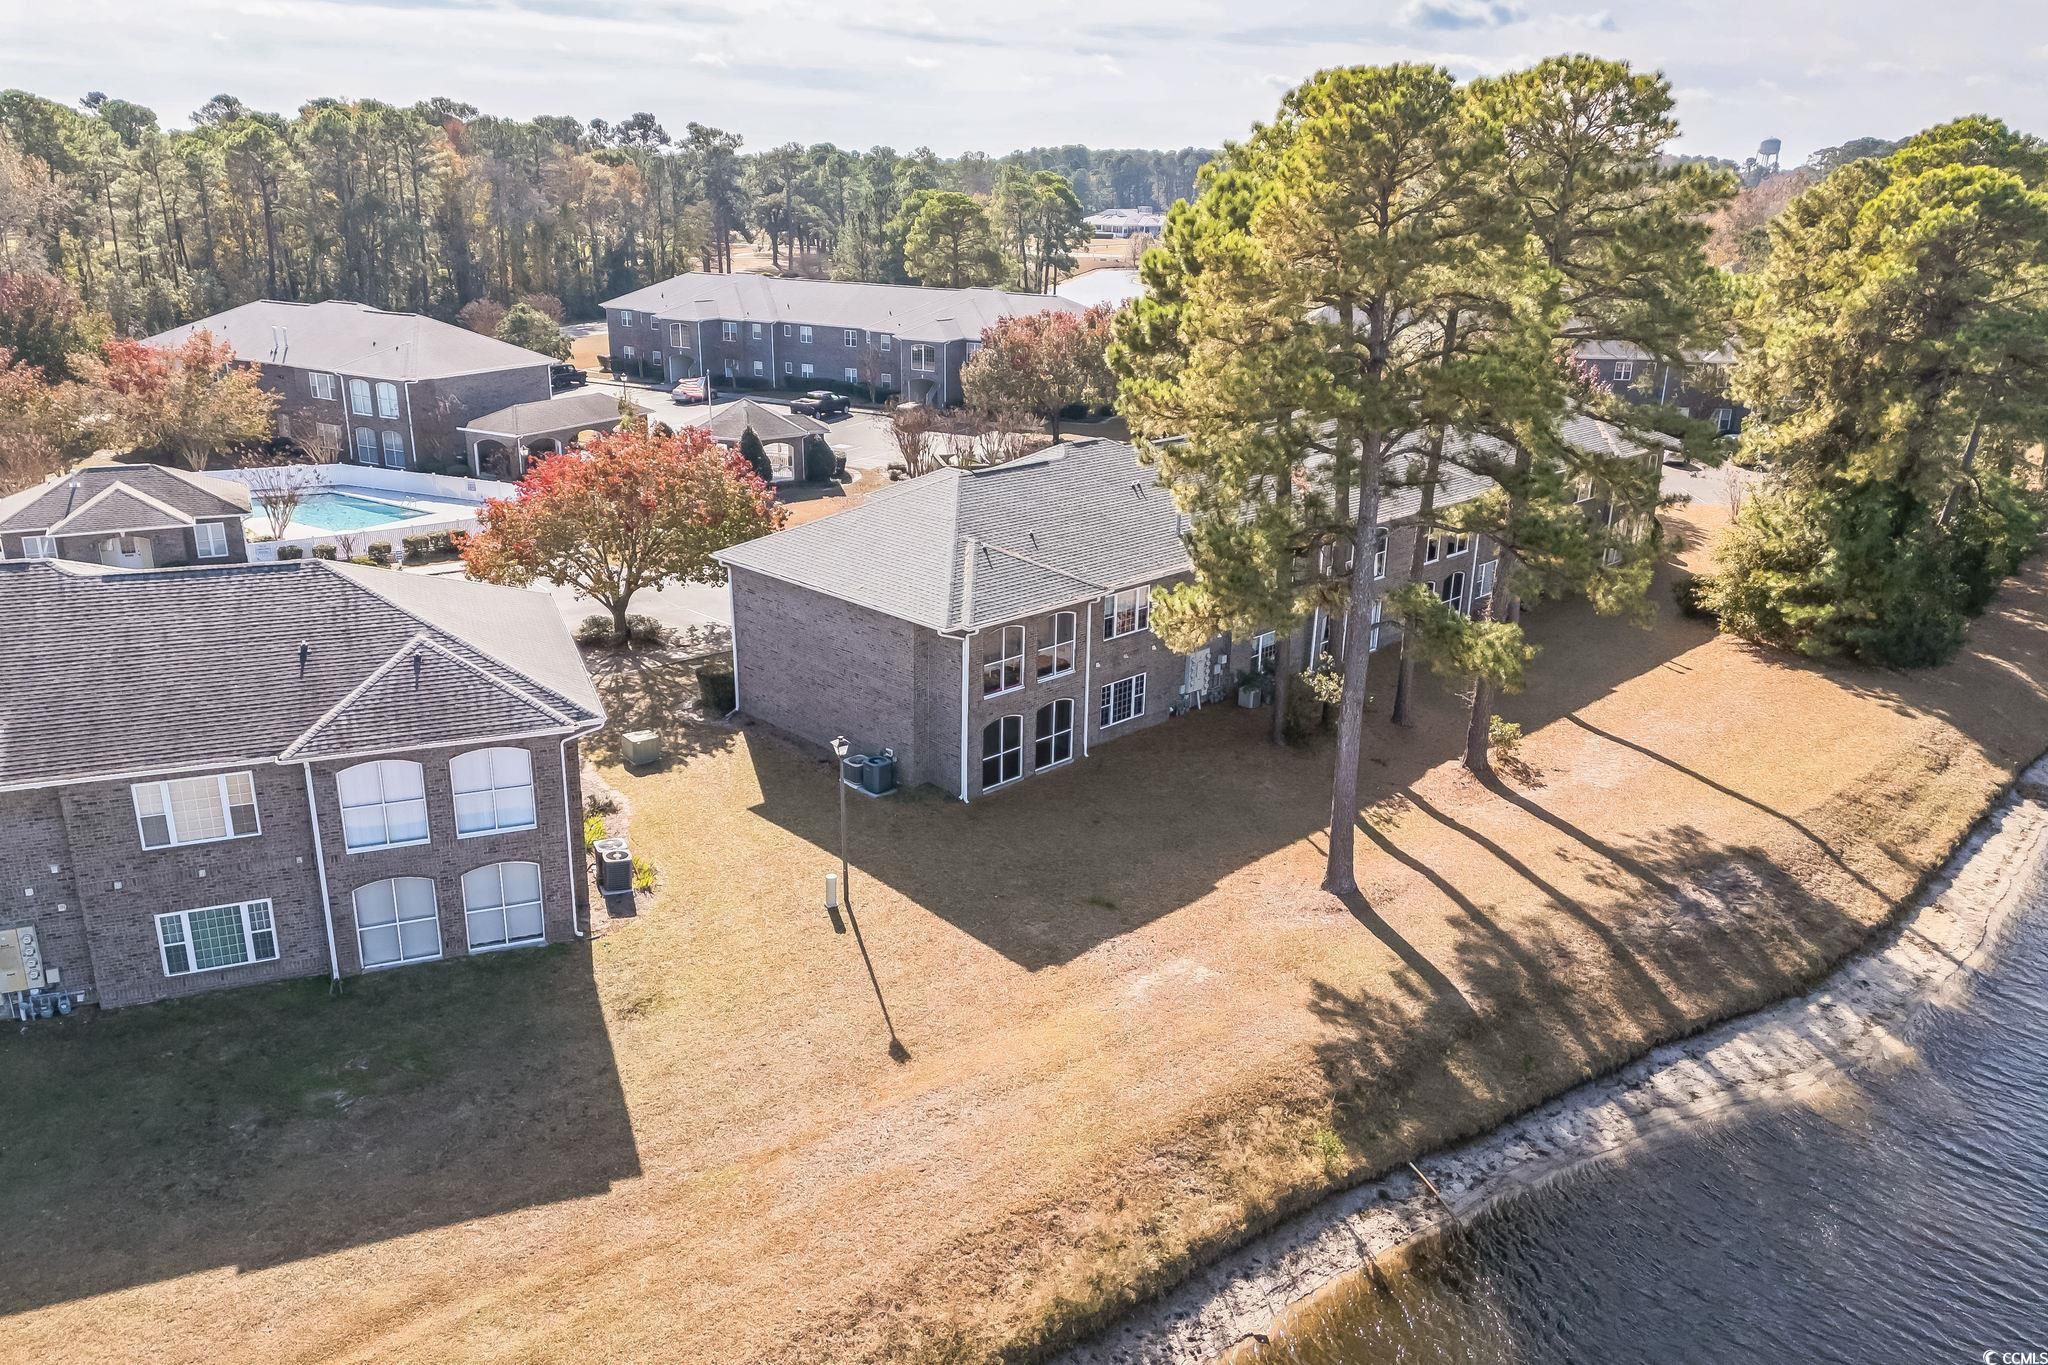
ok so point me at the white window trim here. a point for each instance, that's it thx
(788, 366)
(852, 337)
(360, 389)
(1624, 371)
(1141, 614)
(755, 333)
(729, 331)
(887, 341)
(163, 949)
(757, 370)
(804, 335)
(206, 535)
(1054, 706)
(1050, 649)
(342, 808)
(1381, 541)
(440, 939)
(1262, 642)
(1000, 754)
(39, 547)
(852, 375)
(923, 357)
(171, 820)
(387, 412)
(540, 903)
(393, 444)
(321, 385)
(810, 371)
(1002, 662)
(1137, 681)
(455, 791)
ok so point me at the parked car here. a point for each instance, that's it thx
(821, 403)
(690, 391)
(566, 377)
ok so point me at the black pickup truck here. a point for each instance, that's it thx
(566, 377)
(821, 403)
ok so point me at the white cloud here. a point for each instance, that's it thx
(1461, 14)
(1106, 64)
(710, 59)
(921, 63)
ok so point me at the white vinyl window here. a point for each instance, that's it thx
(1002, 751)
(211, 539)
(1482, 580)
(387, 402)
(1127, 612)
(888, 381)
(785, 329)
(397, 920)
(886, 341)
(359, 396)
(852, 375)
(626, 320)
(1056, 655)
(501, 904)
(654, 356)
(1053, 734)
(366, 446)
(729, 330)
(215, 937)
(196, 810)
(1379, 552)
(788, 366)
(728, 371)
(922, 357)
(852, 337)
(755, 331)
(493, 790)
(804, 335)
(1265, 652)
(383, 804)
(39, 547)
(1123, 700)
(1372, 640)
(757, 370)
(1452, 590)
(1624, 371)
(322, 385)
(1724, 420)
(394, 450)
(808, 371)
(628, 351)
(330, 437)
(1002, 663)
(675, 335)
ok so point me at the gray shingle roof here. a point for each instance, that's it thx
(355, 339)
(157, 670)
(573, 413)
(170, 497)
(770, 424)
(899, 309)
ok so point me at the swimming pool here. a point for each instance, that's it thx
(333, 511)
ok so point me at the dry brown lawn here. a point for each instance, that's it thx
(1133, 1026)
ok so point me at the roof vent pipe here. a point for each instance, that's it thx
(305, 653)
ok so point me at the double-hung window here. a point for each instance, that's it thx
(729, 330)
(852, 337)
(329, 434)
(886, 341)
(888, 381)
(1056, 655)
(394, 449)
(210, 538)
(397, 920)
(1127, 612)
(215, 937)
(366, 446)
(758, 370)
(1452, 590)
(1123, 700)
(675, 335)
(626, 317)
(359, 397)
(922, 357)
(1379, 552)
(1432, 548)
(754, 330)
(322, 385)
(196, 810)
(1002, 751)
(1482, 581)
(808, 371)
(501, 904)
(1002, 662)
(1624, 371)
(1265, 652)
(1053, 734)
(804, 335)
(387, 402)
(852, 375)
(493, 790)
(383, 804)
(39, 547)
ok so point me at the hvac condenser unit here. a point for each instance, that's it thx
(21, 961)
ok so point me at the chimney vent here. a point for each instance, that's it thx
(305, 654)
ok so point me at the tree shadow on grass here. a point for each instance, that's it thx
(653, 690)
(268, 1124)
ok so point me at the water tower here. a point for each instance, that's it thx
(1767, 152)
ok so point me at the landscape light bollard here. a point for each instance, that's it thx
(839, 751)
(832, 902)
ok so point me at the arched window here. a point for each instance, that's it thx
(1002, 751)
(493, 790)
(397, 920)
(502, 905)
(387, 401)
(383, 804)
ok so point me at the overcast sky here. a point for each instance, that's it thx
(994, 76)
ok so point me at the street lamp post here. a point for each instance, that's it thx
(839, 750)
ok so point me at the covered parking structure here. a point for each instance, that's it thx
(499, 443)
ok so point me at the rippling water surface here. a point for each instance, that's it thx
(1898, 1216)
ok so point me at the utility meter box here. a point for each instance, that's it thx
(21, 961)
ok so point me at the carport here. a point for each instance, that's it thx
(781, 433)
(500, 442)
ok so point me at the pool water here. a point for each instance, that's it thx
(331, 511)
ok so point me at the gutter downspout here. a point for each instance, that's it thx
(320, 866)
(1088, 674)
(968, 547)
(569, 827)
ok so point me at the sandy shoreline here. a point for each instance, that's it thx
(1851, 1018)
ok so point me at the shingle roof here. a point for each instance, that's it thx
(137, 671)
(573, 413)
(355, 339)
(168, 497)
(770, 424)
(899, 309)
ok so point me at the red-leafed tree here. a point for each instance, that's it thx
(43, 426)
(1042, 364)
(190, 401)
(630, 511)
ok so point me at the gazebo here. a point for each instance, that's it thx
(499, 442)
(781, 433)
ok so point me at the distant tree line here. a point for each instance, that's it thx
(433, 206)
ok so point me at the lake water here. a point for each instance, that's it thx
(1899, 1215)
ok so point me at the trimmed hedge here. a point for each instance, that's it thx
(324, 552)
(291, 552)
(426, 544)
(378, 552)
(716, 685)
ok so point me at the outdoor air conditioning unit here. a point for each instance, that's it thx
(21, 961)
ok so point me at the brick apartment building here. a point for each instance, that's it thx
(140, 516)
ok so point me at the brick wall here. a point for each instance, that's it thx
(37, 886)
(167, 548)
